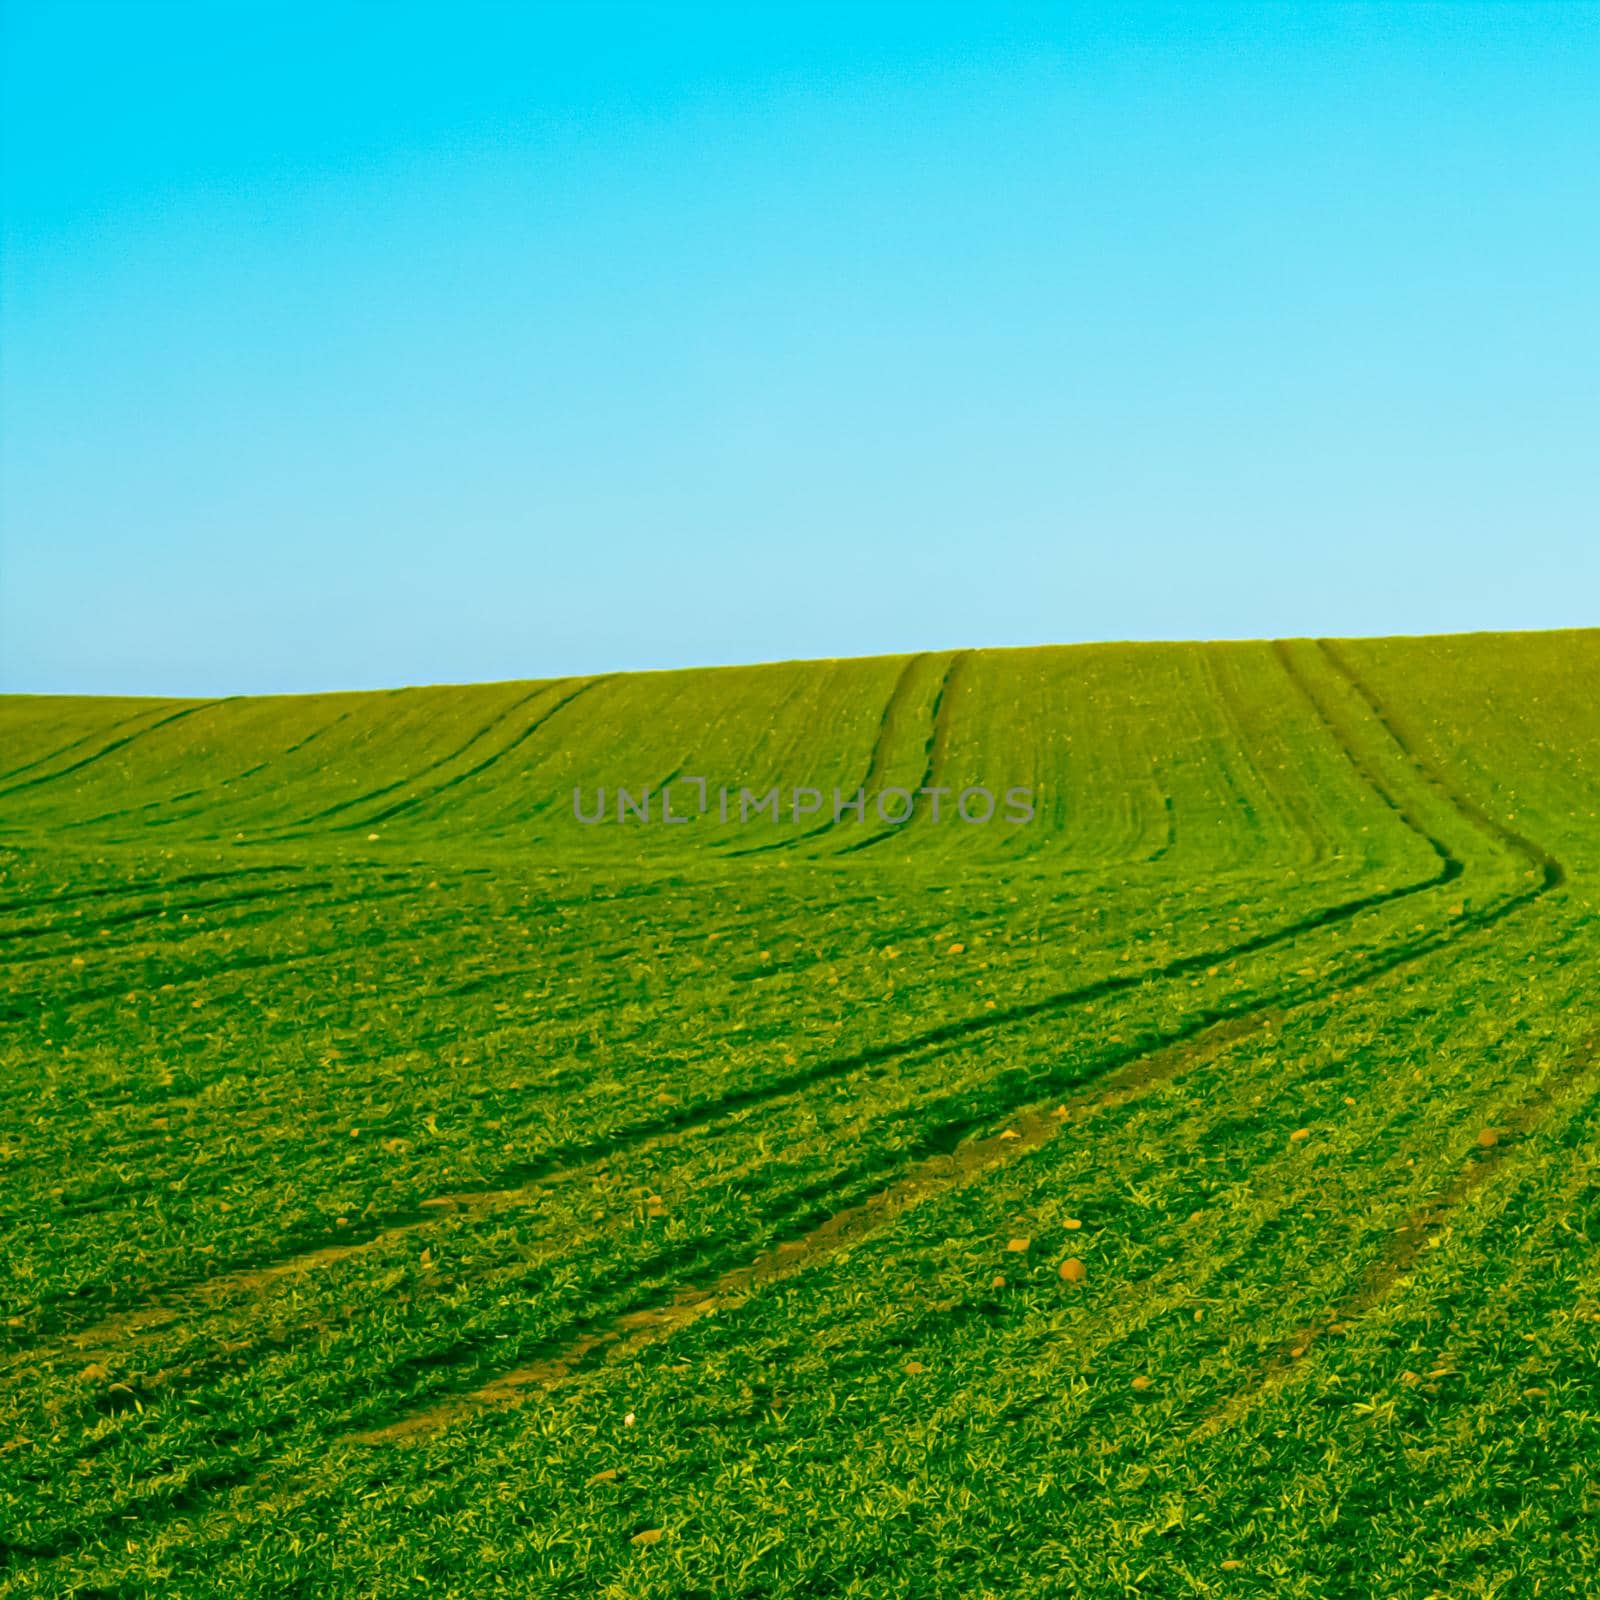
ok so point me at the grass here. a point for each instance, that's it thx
(405, 1188)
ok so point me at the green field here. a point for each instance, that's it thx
(406, 1189)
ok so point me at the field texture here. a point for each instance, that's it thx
(407, 1189)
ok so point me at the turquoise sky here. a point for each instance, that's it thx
(357, 345)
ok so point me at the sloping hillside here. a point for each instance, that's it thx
(1188, 1188)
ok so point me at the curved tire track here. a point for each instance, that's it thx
(933, 750)
(888, 724)
(432, 766)
(112, 748)
(489, 761)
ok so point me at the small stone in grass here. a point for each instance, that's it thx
(1141, 1382)
(1072, 1224)
(1231, 1565)
(1487, 1138)
(998, 1281)
(1072, 1270)
(646, 1536)
(1018, 1247)
(1299, 1135)
(914, 1369)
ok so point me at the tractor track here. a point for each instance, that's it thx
(1300, 820)
(655, 1318)
(112, 748)
(1554, 874)
(1450, 864)
(154, 913)
(1422, 1226)
(147, 885)
(421, 772)
(80, 741)
(814, 1237)
(472, 772)
(888, 725)
(1381, 1275)
(1028, 1128)
(933, 749)
(938, 1039)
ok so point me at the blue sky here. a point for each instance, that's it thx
(344, 346)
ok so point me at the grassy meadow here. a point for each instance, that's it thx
(408, 1189)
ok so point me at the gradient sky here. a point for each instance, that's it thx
(344, 346)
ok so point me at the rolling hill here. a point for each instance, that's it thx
(1192, 1188)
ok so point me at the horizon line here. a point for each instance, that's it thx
(786, 661)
